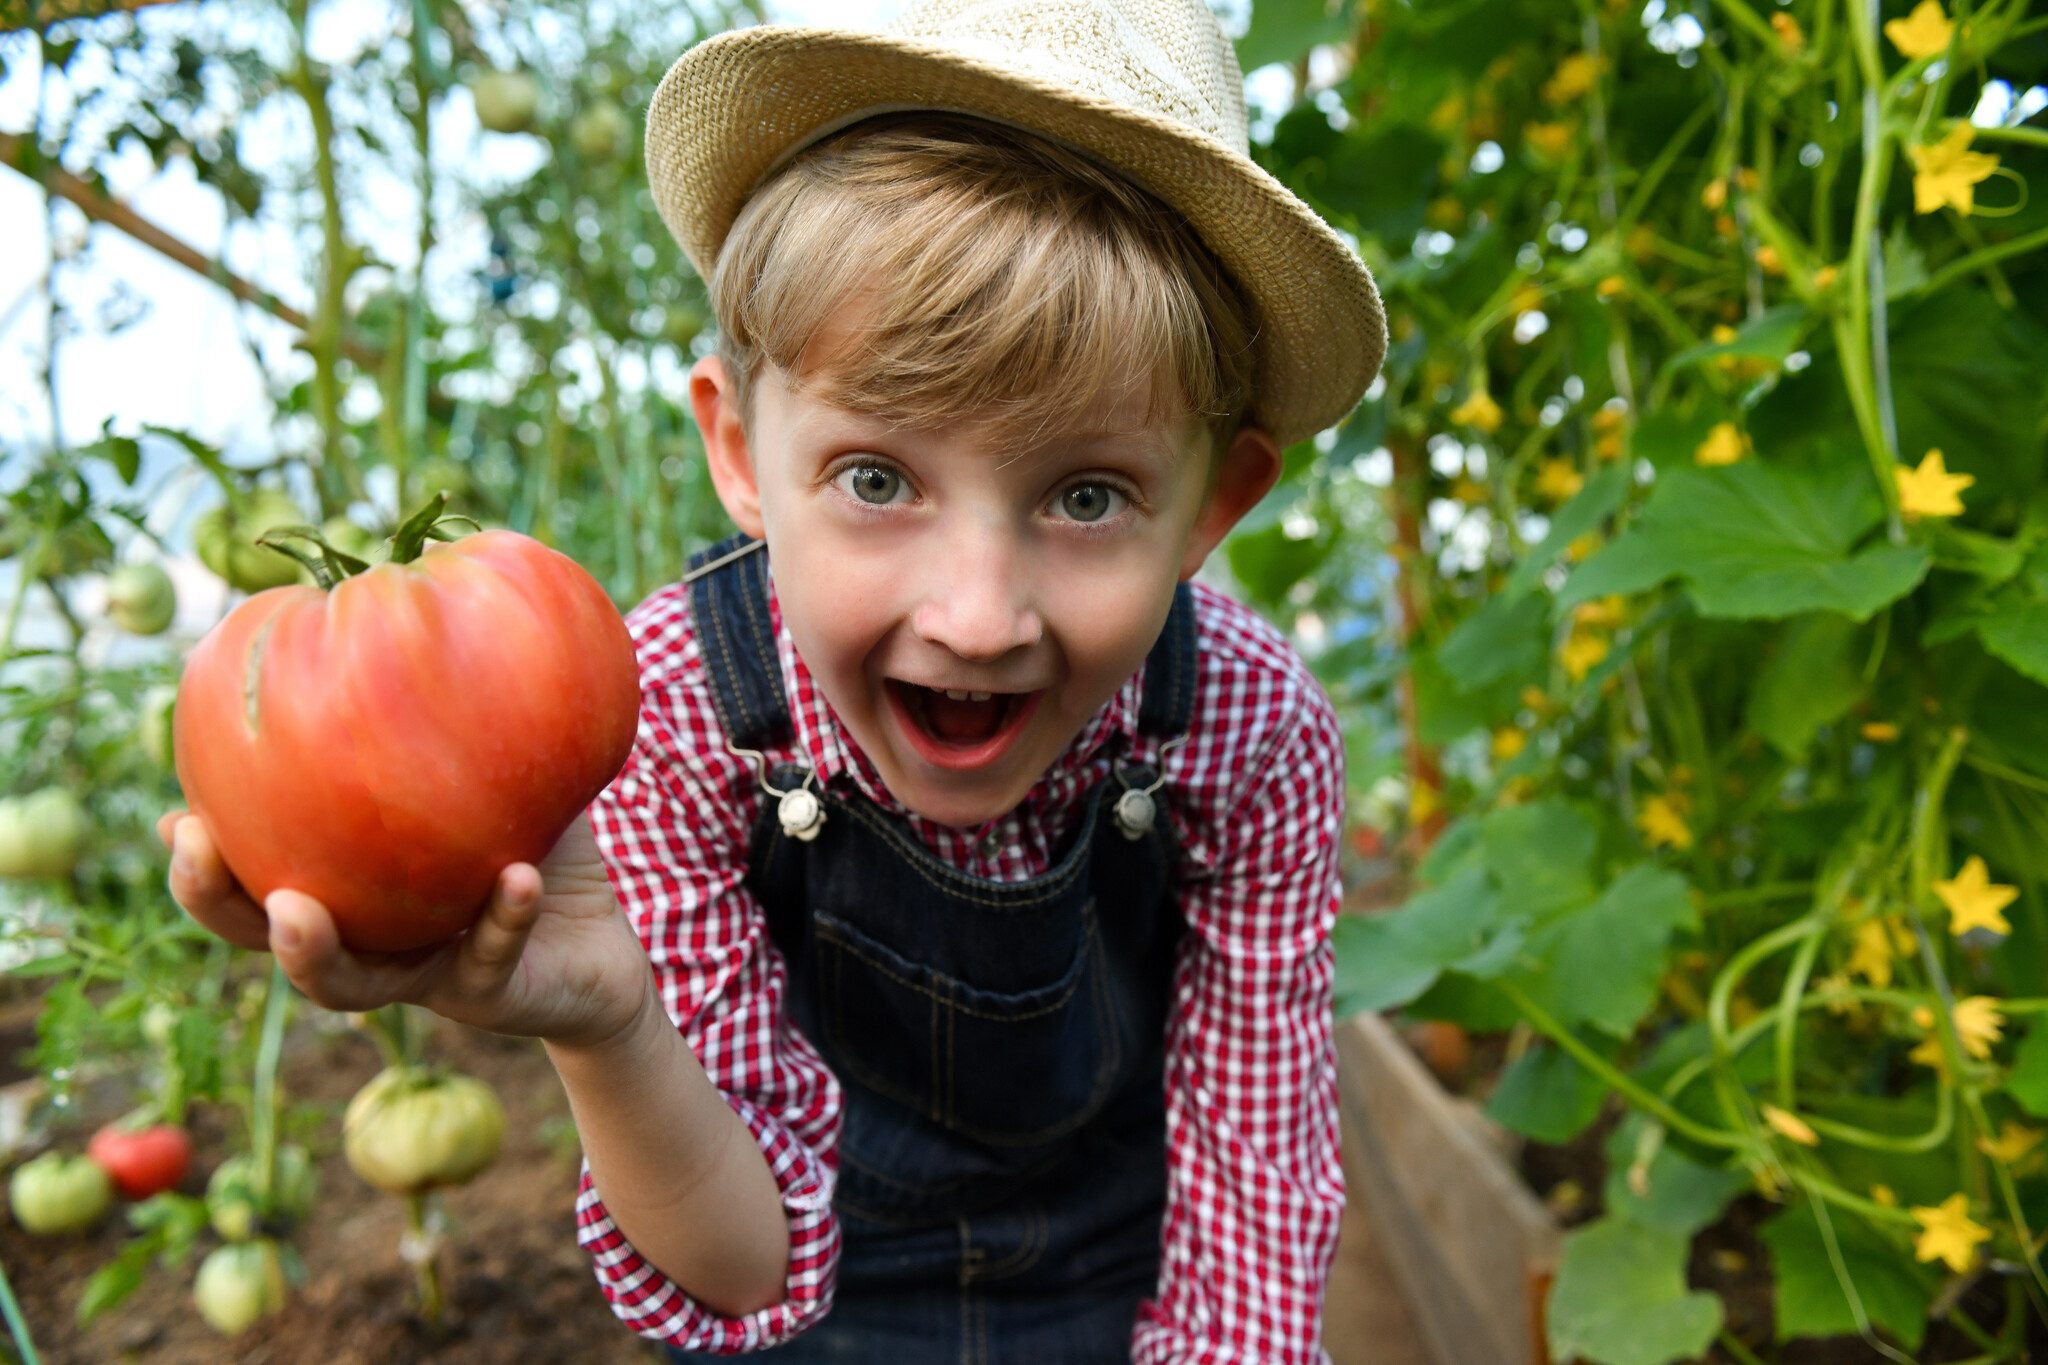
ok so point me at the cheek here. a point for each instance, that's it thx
(838, 606)
(1106, 627)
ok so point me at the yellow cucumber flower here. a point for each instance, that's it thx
(1974, 901)
(1947, 1232)
(1923, 33)
(1948, 172)
(1930, 490)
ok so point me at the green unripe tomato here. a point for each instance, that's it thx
(601, 132)
(42, 834)
(225, 538)
(231, 1202)
(505, 100)
(437, 475)
(351, 539)
(141, 599)
(410, 1129)
(159, 703)
(238, 1284)
(58, 1193)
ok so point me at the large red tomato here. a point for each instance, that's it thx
(387, 746)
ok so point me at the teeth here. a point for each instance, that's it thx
(951, 695)
(979, 696)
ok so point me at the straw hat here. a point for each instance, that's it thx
(1149, 86)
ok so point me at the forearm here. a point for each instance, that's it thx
(677, 1169)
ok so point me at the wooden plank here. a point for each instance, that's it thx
(1366, 1317)
(1472, 1248)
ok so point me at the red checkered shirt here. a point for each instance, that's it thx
(1254, 1183)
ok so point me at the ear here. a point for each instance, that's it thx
(1247, 470)
(716, 406)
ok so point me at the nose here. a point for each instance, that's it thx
(979, 605)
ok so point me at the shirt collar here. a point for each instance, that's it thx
(832, 752)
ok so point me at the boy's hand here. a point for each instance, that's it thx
(550, 957)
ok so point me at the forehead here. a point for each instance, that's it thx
(1121, 423)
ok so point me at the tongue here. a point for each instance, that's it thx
(963, 722)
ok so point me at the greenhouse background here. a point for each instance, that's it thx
(1682, 585)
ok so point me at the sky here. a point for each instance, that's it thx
(183, 365)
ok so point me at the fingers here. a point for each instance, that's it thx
(202, 884)
(490, 952)
(308, 946)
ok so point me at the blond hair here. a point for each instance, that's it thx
(984, 274)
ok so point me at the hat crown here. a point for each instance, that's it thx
(1167, 57)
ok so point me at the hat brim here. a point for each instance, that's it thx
(736, 105)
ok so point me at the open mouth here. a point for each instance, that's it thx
(960, 729)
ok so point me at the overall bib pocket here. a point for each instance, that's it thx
(927, 1040)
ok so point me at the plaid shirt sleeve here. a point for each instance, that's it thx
(673, 828)
(1255, 1185)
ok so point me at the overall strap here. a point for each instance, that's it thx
(729, 606)
(1167, 706)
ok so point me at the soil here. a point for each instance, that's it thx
(520, 1289)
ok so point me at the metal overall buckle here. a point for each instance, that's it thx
(799, 810)
(1136, 810)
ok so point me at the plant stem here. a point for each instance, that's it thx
(425, 1269)
(17, 1326)
(263, 1102)
(1540, 1019)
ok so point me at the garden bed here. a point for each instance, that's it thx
(520, 1288)
(1470, 1215)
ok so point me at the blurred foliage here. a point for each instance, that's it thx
(1714, 464)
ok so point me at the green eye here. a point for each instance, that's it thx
(1089, 501)
(875, 483)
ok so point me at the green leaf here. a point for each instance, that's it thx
(118, 1278)
(1677, 1194)
(1813, 680)
(1282, 30)
(1810, 1299)
(2016, 631)
(1268, 561)
(1541, 855)
(1770, 337)
(1507, 636)
(1388, 959)
(1601, 964)
(1990, 558)
(1600, 499)
(1756, 541)
(1546, 1095)
(2027, 1082)
(1620, 1297)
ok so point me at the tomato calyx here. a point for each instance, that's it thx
(330, 565)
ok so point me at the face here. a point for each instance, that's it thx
(965, 602)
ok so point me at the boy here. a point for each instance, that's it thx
(985, 867)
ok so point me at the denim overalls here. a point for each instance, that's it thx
(1002, 1169)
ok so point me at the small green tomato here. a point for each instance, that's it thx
(231, 1200)
(58, 1193)
(238, 1284)
(141, 598)
(225, 538)
(505, 100)
(42, 834)
(411, 1129)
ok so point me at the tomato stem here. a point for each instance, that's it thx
(426, 1267)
